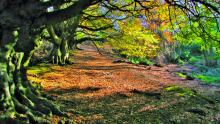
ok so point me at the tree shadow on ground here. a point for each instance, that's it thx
(137, 106)
(74, 90)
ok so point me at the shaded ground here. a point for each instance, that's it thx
(97, 90)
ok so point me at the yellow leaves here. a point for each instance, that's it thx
(134, 50)
(134, 25)
(136, 41)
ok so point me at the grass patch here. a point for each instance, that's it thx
(35, 71)
(181, 91)
(208, 75)
(209, 79)
(39, 69)
(181, 75)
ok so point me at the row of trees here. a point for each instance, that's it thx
(65, 23)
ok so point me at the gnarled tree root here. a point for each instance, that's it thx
(26, 106)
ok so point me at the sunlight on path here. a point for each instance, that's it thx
(92, 71)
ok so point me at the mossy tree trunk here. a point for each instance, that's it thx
(64, 52)
(60, 52)
(18, 98)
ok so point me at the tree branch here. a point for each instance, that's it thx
(63, 14)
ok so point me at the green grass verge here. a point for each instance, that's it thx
(209, 79)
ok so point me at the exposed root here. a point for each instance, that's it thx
(43, 105)
(27, 107)
(28, 115)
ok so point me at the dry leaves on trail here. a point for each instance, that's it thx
(99, 71)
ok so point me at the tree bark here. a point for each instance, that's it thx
(60, 52)
(162, 57)
(19, 99)
(65, 52)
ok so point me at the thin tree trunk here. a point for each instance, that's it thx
(209, 56)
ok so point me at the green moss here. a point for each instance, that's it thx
(39, 69)
(181, 91)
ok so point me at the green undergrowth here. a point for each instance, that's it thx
(207, 75)
(142, 61)
(176, 105)
(209, 79)
(195, 59)
(205, 78)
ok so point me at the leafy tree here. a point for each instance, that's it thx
(134, 41)
(202, 30)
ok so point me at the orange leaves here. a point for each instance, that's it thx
(168, 36)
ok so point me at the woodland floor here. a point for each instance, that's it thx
(96, 89)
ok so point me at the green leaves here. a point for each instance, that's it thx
(135, 41)
(196, 24)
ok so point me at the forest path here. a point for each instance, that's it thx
(95, 71)
(97, 89)
(102, 72)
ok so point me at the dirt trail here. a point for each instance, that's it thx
(99, 72)
(95, 71)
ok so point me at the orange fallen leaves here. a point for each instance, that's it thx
(98, 71)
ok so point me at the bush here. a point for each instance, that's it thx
(142, 61)
(194, 60)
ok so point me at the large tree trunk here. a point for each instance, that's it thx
(60, 52)
(19, 99)
(65, 52)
